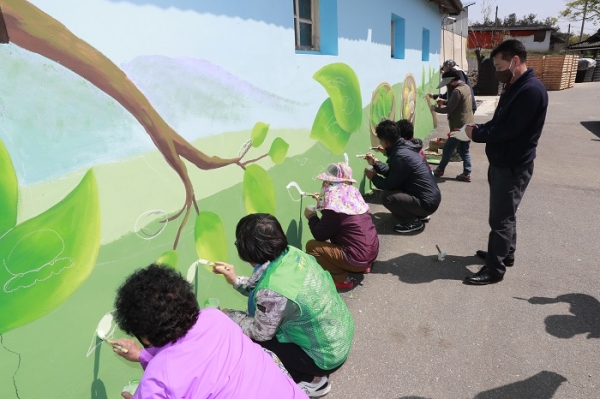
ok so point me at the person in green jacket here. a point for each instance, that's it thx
(294, 309)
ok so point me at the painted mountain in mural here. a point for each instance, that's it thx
(84, 127)
(190, 89)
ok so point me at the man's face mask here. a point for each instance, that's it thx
(506, 75)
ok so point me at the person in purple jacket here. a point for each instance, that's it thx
(345, 237)
(189, 353)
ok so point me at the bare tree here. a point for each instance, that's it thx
(487, 6)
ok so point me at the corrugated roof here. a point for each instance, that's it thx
(591, 43)
(509, 28)
(452, 7)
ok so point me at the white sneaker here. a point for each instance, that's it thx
(316, 389)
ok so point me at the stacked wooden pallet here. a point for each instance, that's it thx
(557, 72)
(537, 63)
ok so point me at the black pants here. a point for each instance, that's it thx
(300, 366)
(507, 186)
(405, 206)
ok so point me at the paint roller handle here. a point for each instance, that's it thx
(117, 346)
(371, 160)
(126, 348)
(227, 270)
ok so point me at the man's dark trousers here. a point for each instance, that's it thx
(507, 186)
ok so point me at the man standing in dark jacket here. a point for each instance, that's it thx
(511, 139)
(409, 189)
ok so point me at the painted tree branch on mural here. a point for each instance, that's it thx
(31, 28)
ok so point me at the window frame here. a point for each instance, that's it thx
(425, 44)
(398, 38)
(314, 22)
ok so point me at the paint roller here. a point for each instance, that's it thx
(191, 273)
(105, 327)
(297, 187)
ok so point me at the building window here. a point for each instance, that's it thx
(425, 50)
(316, 26)
(306, 24)
(539, 36)
(398, 37)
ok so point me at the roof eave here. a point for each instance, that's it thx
(452, 7)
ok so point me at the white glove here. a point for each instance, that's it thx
(460, 134)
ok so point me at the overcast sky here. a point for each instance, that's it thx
(547, 8)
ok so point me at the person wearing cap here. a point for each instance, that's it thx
(409, 190)
(458, 109)
(345, 237)
(294, 309)
(450, 65)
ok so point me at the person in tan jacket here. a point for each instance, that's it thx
(459, 111)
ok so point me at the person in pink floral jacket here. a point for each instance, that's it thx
(345, 237)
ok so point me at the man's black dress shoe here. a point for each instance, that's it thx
(482, 277)
(508, 261)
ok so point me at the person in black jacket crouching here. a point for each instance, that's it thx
(409, 189)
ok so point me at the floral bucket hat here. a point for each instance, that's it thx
(339, 195)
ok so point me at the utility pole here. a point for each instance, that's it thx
(583, 20)
(569, 35)
(494, 31)
(496, 17)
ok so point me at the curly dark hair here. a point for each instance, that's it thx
(406, 129)
(259, 238)
(156, 303)
(387, 130)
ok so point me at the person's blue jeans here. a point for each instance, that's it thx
(463, 151)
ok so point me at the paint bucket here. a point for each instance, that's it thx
(131, 387)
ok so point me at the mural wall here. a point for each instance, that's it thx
(140, 131)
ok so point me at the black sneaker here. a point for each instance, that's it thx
(425, 219)
(409, 227)
(508, 261)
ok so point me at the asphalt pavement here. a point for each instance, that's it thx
(422, 333)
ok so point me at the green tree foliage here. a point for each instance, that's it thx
(527, 20)
(574, 10)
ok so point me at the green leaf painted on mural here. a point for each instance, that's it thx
(278, 151)
(343, 88)
(9, 191)
(259, 133)
(210, 237)
(326, 129)
(169, 258)
(259, 194)
(45, 259)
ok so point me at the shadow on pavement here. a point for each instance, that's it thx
(585, 316)
(543, 385)
(592, 126)
(415, 268)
